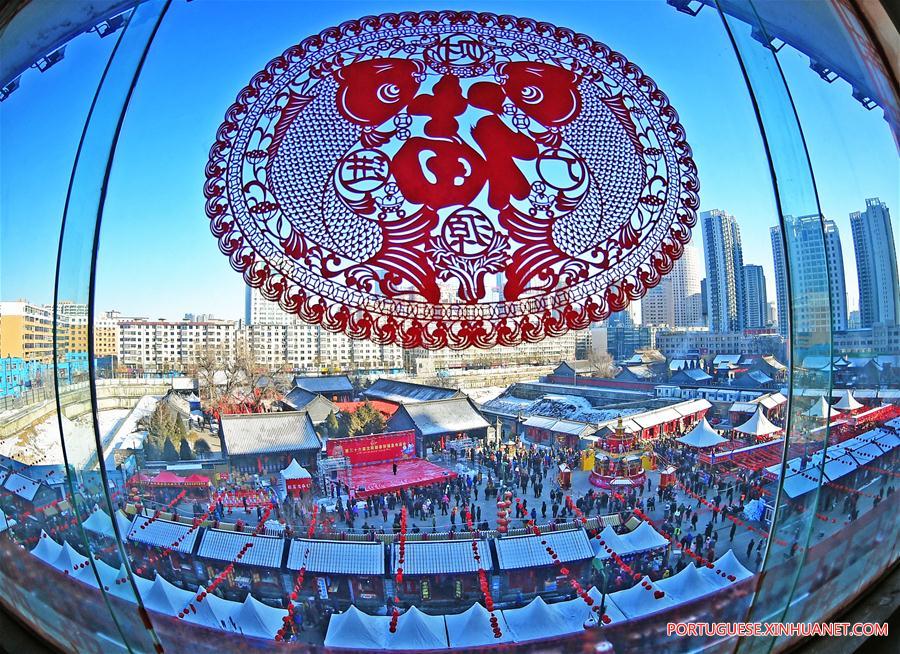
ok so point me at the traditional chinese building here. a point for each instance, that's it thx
(268, 442)
(439, 423)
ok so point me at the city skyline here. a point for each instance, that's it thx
(728, 151)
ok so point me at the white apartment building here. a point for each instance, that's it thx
(278, 338)
(160, 345)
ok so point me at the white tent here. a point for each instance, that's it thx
(212, 611)
(69, 560)
(100, 523)
(166, 598)
(472, 628)
(107, 573)
(254, 618)
(293, 473)
(576, 611)
(758, 425)
(537, 620)
(643, 538)
(356, 630)
(702, 435)
(637, 601)
(125, 592)
(687, 585)
(728, 564)
(47, 549)
(416, 630)
(821, 409)
(608, 538)
(848, 402)
(6, 522)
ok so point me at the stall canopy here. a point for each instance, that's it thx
(537, 620)
(6, 522)
(472, 628)
(608, 538)
(294, 480)
(821, 409)
(69, 560)
(758, 425)
(643, 538)
(416, 630)
(702, 435)
(848, 402)
(686, 585)
(196, 480)
(256, 619)
(108, 575)
(166, 478)
(575, 611)
(47, 549)
(99, 522)
(356, 630)
(213, 612)
(729, 565)
(636, 601)
(166, 598)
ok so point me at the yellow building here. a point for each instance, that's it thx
(26, 331)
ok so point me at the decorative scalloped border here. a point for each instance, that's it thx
(455, 334)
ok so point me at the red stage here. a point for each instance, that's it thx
(380, 478)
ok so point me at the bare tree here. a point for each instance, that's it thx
(602, 363)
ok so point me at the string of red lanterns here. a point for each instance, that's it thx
(288, 620)
(398, 577)
(482, 576)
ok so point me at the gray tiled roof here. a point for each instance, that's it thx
(263, 433)
(528, 551)
(299, 398)
(444, 416)
(162, 533)
(337, 557)
(325, 384)
(221, 545)
(440, 557)
(392, 390)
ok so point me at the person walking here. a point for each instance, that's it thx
(749, 548)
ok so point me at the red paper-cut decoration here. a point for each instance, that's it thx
(451, 179)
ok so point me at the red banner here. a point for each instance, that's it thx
(374, 448)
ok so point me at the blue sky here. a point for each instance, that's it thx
(157, 256)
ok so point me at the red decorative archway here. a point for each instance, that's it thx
(451, 179)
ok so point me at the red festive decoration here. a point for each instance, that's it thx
(367, 165)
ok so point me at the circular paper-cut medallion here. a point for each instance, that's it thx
(451, 179)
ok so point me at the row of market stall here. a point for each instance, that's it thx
(806, 473)
(355, 629)
(538, 620)
(249, 617)
(436, 574)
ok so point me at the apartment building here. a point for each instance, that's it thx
(161, 345)
(26, 331)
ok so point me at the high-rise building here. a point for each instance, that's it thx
(818, 281)
(724, 265)
(704, 303)
(755, 302)
(676, 301)
(876, 265)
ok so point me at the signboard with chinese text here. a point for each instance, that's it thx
(374, 448)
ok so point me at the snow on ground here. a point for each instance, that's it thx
(126, 431)
(570, 407)
(485, 394)
(42, 444)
